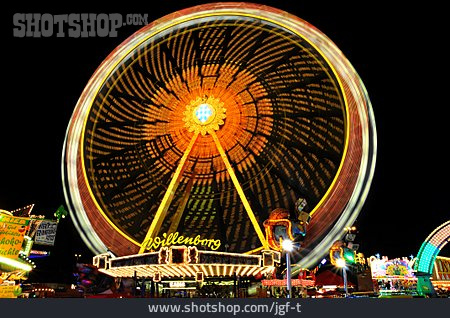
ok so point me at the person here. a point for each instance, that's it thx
(388, 285)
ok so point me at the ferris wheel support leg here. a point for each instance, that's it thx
(241, 193)
(168, 196)
(175, 222)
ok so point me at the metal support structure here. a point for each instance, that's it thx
(424, 285)
(168, 196)
(170, 192)
(182, 206)
(344, 276)
(241, 193)
(288, 275)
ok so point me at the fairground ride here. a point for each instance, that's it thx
(199, 125)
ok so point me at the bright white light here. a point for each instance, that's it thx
(203, 112)
(340, 262)
(287, 245)
(17, 264)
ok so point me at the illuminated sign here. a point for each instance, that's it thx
(177, 284)
(12, 231)
(282, 282)
(441, 268)
(397, 267)
(46, 232)
(42, 253)
(10, 291)
(14, 220)
(177, 239)
(26, 246)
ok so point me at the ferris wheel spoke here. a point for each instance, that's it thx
(168, 196)
(241, 193)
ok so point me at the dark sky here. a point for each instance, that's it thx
(398, 52)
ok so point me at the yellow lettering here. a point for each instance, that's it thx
(175, 236)
(156, 242)
(176, 239)
(169, 239)
(180, 240)
(216, 245)
(189, 241)
(149, 243)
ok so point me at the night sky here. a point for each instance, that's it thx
(397, 51)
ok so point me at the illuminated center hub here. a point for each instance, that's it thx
(204, 113)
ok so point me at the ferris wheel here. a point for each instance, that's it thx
(206, 120)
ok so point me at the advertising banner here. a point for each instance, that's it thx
(10, 291)
(385, 267)
(12, 231)
(46, 233)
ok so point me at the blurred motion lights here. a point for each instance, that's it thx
(208, 119)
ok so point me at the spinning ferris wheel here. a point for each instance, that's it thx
(206, 120)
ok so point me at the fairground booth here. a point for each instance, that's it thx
(19, 232)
